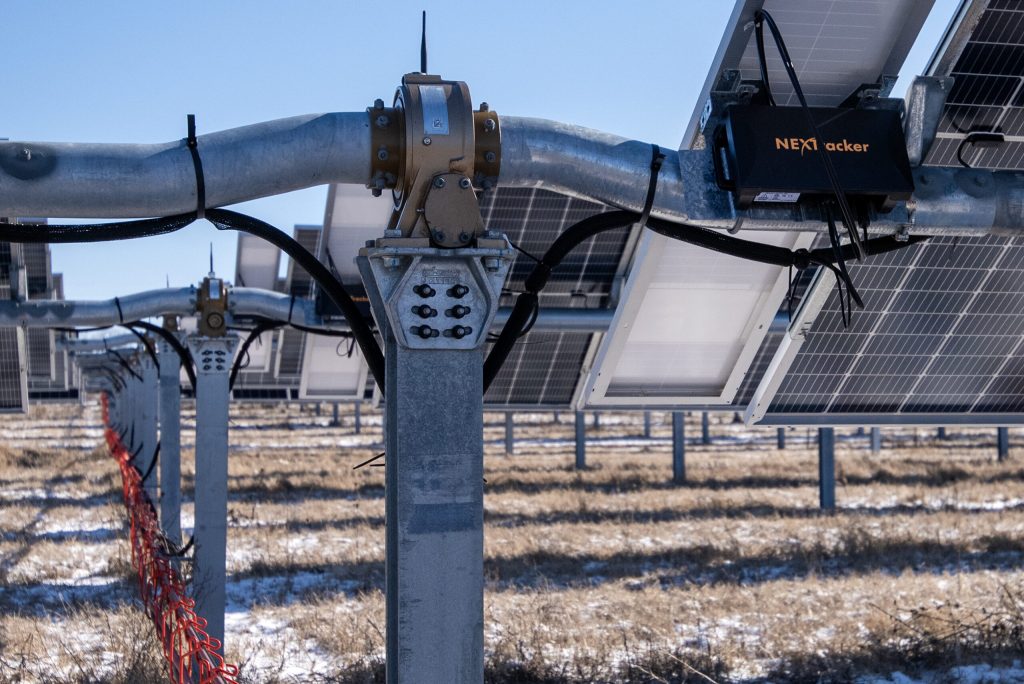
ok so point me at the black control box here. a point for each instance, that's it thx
(769, 154)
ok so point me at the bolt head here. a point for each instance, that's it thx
(438, 236)
(465, 184)
(492, 264)
(463, 237)
(489, 125)
(426, 140)
(439, 182)
(490, 157)
(382, 121)
(378, 103)
(376, 192)
(382, 154)
(484, 107)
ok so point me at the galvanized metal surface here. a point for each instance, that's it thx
(170, 442)
(145, 401)
(678, 447)
(827, 468)
(124, 180)
(213, 365)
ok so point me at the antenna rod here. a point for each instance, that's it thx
(423, 45)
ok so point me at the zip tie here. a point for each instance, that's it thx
(120, 314)
(197, 164)
(291, 305)
(657, 159)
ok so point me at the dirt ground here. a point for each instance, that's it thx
(611, 574)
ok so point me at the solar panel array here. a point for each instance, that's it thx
(942, 332)
(988, 90)
(545, 368)
(13, 385)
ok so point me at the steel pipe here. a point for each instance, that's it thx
(56, 314)
(239, 164)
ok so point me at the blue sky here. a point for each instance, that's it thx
(131, 71)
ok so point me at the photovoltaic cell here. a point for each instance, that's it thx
(544, 369)
(13, 387)
(943, 332)
(987, 93)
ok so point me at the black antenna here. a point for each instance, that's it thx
(211, 259)
(423, 45)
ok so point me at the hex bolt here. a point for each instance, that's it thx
(438, 236)
(465, 184)
(489, 125)
(458, 311)
(424, 311)
(439, 182)
(382, 121)
(376, 192)
(378, 103)
(490, 157)
(382, 154)
(425, 331)
(463, 237)
(484, 107)
(492, 264)
(458, 291)
(424, 290)
(26, 154)
(460, 331)
(426, 140)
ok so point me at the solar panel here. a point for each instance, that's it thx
(332, 368)
(984, 53)
(942, 333)
(546, 368)
(13, 366)
(257, 263)
(836, 46)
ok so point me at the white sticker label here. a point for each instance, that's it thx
(435, 110)
(777, 197)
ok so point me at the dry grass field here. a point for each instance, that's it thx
(606, 575)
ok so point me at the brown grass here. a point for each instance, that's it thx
(611, 574)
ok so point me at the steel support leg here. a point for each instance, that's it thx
(433, 438)
(334, 415)
(213, 360)
(1003, 443)
(678, 447)
(510, 429)
(876, 440)
(358, 417)
(827, 468)
(705, 428)
(581, 440)
(940, 433)
(147, 399)
(170, 443)
(647, 424)
(780, 438)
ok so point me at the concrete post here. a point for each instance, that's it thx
(581, 440)
(780, 438)
(876, 440)
(1003, 443)
(705, 429)
(510, 428)
(678, 447)
(170, 442)
(213, 357)
(647, 424)
(827, 468)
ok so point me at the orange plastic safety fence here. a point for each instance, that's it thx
(192, 655)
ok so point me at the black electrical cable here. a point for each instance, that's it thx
(187, 362)
(225, 219)
(124, 364)
(244, 349)
(145, 343)
(94, 232)
(762, 17)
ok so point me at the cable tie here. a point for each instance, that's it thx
(120, 314)
(291, 306)
(657, 159)
(192, 142)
